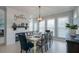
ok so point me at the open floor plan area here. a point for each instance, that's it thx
(39, 29)
(57, 47)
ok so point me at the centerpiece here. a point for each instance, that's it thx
(72, 29)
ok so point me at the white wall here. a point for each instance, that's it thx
(10, 35)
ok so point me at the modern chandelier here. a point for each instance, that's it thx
(39, 18)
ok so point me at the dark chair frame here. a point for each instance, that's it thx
(24, 44)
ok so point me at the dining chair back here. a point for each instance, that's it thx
(50, 39)
(24, 44)
(17, 35)
(41, 43)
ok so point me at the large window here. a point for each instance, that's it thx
(35, 25)
(76, 20)
(75, 16)
(2, 19)
(51, 25)
(42, 26)
(62, 31)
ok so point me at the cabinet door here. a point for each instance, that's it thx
(72, 47)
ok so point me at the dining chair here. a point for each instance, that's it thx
(41, 43)
(46, 41)
(24, 44)
(50, 39)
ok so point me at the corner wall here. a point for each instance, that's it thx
(10, 34)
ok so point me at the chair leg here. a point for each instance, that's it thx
(50, 44)
(29, 50)
(46, 48)
(26, 51)
(21, 51)
(42, 49)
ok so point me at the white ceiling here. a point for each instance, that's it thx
(45, 10)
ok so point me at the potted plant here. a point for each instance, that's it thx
(72, 28)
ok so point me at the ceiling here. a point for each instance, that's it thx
(33, 11)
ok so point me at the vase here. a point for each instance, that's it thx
(72, 32)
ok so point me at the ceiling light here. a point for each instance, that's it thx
(39, 18)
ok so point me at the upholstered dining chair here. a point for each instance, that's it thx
(24, 44)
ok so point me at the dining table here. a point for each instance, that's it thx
(34, 40)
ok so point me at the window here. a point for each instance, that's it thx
(76, 20)
(62, 31)
(51, 25)
(2, 19)
(35, 26)
(42, 26)
(75, 14)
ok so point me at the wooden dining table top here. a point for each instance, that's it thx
(33, 38)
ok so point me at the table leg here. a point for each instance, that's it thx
(35, 47)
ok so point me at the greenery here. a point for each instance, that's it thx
(72, 26)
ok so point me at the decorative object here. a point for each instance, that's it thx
(26, 26)
(20, 22)
(72, 28)
(14, 26)
(39, 18)
(19, 16)
(22, 25)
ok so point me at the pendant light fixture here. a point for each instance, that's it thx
(39, 18)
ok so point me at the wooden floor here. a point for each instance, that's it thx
(57, 47)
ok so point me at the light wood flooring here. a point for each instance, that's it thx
(57, 47)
